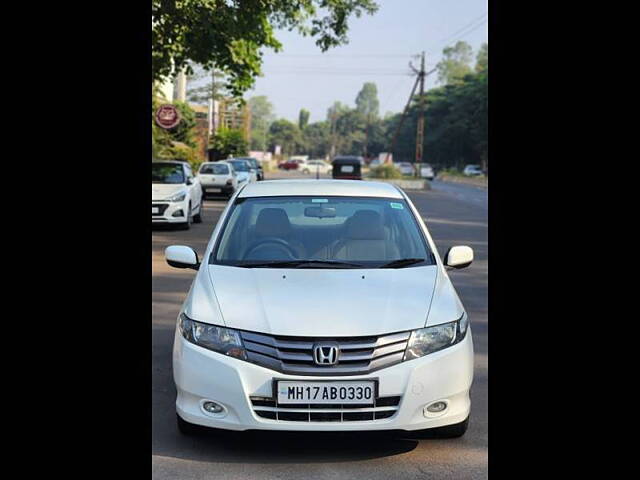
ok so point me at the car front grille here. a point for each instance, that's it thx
(161, 206)
(294, 355)
(384, 407)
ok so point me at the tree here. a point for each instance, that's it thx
(367, 104)
(261, 117)
(228, 142)
(202, 94)
(455, 64)
(317, 139)
(482, 59)
(286, 134)
(303, 119)
(231, 35)
(367, 101)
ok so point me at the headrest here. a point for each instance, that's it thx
(365, 225)
(273, 222)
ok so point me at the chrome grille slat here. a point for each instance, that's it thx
(326, 413)
(294, 355)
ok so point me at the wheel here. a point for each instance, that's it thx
(187, 224)
(186, 428)
(448, 431)
(198, 218)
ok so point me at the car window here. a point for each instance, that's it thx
(167, 173)
(239, 165)
(368, 231)
(215, 169)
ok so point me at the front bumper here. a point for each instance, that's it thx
(166, 211)
(201, 374)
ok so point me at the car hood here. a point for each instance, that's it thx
(313, 302)
(160, 191)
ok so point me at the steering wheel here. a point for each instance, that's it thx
(278, 242)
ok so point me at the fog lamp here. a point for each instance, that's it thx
(212, 407)
(436, 407)
(178, 213)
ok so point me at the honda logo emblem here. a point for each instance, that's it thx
(325, 354)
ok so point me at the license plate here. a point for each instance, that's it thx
(155, 210)
(326, 392)
(213, 189)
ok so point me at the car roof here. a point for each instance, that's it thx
(344, 188)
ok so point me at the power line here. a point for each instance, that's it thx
(464, 28)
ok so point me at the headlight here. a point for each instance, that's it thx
(431, 339)
(219, 339)
(178, 197)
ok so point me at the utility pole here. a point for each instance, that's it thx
(420, 131)
(421, 75)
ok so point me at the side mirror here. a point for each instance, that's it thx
(459, 256)
(189, 181)
(179, 256)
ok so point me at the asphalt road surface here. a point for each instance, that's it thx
(455, 215)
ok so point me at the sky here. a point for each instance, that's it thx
(379, 50)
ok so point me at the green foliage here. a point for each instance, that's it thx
(482, 58)
(286, 134)
(455, 63)
(303, 119)
(385, 171)
(231, 35)
(184, 131)
(228, 142)
(317, 139)
(367, 101)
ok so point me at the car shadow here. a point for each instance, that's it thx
(263, 447)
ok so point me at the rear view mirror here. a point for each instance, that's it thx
(459, 256)
(179, 256)
(320, 212)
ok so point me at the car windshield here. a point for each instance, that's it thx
(215, 169)
(321, 232)
(166, 173)
(239, 165)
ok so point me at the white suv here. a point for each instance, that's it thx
(322, 305)
(176, 195)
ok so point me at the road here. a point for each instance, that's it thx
(455, 214)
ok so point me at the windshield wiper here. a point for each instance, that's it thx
(300, 264)
(403, 262)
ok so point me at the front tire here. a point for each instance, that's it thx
(456, 430)
(186, 428)
(198, 218)
(187, 224)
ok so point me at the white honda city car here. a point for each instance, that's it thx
(322, 305)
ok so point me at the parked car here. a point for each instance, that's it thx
(244, 170)
(426, 171)
(218, 178)
(405, 168)
(320, 166)
(472, 170)
(295, 164)
(176, 194)
(255, 165)
(291, 322)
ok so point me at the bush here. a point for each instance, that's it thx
(385, 171)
